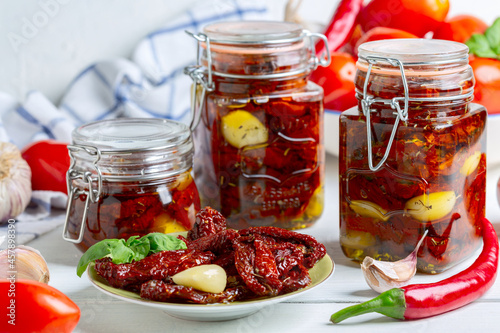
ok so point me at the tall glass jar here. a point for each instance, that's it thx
(129, 177)
(412, 155)
(259, 141)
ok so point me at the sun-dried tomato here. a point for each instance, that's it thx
(265, 267)
(313, 250)
(208, 222)
(218, 243)
(244, 255)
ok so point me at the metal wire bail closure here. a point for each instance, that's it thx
(394, 103)
(367, 101)
(196, 72)
(93, 195)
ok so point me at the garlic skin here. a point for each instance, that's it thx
(15, 182)
(384, 275)
(28, 264)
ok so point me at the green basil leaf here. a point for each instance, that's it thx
(492, 34)
(132, 239)
(479, 45)
(121, 253)
(140, 247)
(135, 248)
(96, 251)
(164, 242)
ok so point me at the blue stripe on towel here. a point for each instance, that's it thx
(79, 76)
(102, 77)
(29, 118)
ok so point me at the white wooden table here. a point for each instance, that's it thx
(309, 312)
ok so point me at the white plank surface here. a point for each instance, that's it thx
(307, 313)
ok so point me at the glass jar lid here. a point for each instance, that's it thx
(414, 51)
(131, 134)
(131, 149)
(253, 32)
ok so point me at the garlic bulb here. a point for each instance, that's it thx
(15, 182)
(27, 263)
(384, 275)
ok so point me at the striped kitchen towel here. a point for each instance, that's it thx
(149, 84)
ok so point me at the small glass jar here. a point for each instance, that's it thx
(259, 136)
(129, 177)
(412, 155)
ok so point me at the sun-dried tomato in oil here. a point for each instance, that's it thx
(435, 172)
(259, 143)
(139, 171)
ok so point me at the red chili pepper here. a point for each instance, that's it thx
(341, 26)
(426, 300)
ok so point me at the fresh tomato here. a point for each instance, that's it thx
(460, 28)
(487, 88)
(379, 33)
(337, 81)
(49, 161)
(415, 16)
(32, 306)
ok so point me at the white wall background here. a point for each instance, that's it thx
(44, 44)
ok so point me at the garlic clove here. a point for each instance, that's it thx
(210, 278)
(26, 262)
(241, 128)
(384, 275)
(369, 209)
(470, 164)
(430, 207)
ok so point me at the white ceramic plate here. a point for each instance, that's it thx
(321, 272)
(492, 136)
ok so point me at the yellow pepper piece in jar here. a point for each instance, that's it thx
(241, 128)
(430, 207)
(470, 164)
(368, 209)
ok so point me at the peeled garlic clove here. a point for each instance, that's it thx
(241, 128)
(384, 275)
(368, 209)
(26, 262)
(357, 239)
(209, 278)
(430, 207)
